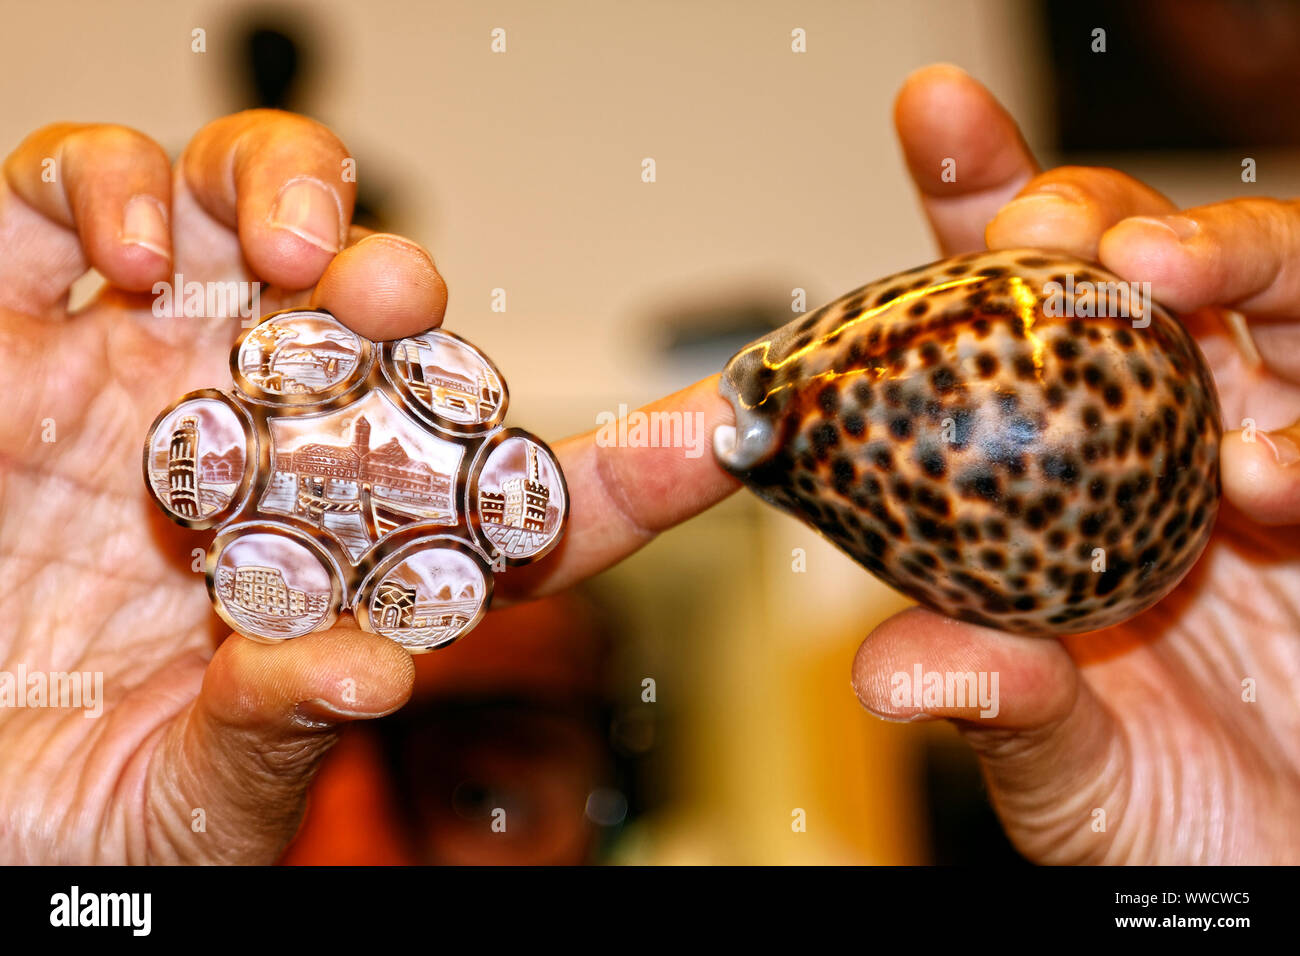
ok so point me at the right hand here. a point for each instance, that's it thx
(1146, 721)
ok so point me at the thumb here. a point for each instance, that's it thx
(1047, 745)
(241, 757)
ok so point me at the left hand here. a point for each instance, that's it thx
(97, 581)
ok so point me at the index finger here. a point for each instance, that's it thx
(622, 495)
(278, 179)
(964, 151)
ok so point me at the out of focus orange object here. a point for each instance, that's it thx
(542, 656)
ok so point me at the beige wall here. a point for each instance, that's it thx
(522, 170)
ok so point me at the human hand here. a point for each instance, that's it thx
(1152, 722)
(97, 581)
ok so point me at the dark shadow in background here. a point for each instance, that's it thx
(276, 58)
(963, 829)
(1176, 74)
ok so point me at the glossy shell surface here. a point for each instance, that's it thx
(1017, 439)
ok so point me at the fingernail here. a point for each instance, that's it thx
(1053, 202)
(1285, 450)
(319, 712)
(724, 440)
(950, 68)
(1182, 227)
(1067, 191)
(892, 716)
(311, 211)
(398, 242)
(144, 223)
(895, 718)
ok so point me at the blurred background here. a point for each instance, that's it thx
(521, 169)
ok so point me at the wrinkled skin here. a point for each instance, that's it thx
(97, 580)
(1146, 720)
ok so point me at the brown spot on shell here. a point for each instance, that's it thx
(974, 451)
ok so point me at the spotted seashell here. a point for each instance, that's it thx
(1015, 439)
